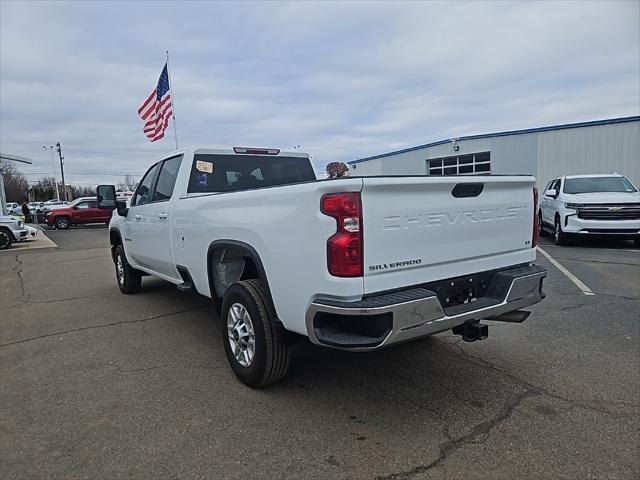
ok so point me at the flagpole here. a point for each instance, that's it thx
(173, 102)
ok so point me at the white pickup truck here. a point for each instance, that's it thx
(356, 263)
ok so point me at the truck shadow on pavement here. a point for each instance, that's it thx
(431, 384)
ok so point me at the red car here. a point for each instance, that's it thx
(80, 211)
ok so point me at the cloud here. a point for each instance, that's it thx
(343, 80)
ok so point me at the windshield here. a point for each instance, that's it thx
(597, 184)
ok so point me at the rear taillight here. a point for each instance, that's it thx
(344, 248)
(536, 219)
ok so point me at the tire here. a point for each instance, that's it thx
(541, 231)
(129, 279)
(559, 237)
(62, 223)
(6, 238)
(247, 307)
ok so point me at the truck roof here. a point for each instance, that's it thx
(230, 151)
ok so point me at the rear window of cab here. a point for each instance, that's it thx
(212, 173)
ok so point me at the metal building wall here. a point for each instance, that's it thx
(601, 149)
(591, 149)
(368, 168)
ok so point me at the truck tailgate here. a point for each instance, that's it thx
(422, 229)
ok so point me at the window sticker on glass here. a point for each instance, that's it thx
(202, 179)
(206, 167)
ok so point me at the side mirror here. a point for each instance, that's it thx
(106, 197)
(551, 193)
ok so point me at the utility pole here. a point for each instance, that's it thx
(64, 187)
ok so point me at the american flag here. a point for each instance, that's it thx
(156, 110)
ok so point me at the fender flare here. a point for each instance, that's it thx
(115, 232)
(250, 252)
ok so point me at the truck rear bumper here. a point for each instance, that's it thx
(389, 318)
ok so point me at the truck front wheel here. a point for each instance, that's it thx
(253, 348)
(129, 279)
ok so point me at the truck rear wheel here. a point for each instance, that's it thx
(253, 348)
(129, 279)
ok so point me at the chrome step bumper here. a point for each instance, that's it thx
(398, 317)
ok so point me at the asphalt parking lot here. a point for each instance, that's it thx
(95, 384)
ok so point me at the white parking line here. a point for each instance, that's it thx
(634, 250)
(586, 290)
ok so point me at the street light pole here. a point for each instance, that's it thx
(53, 164)
(64, 187)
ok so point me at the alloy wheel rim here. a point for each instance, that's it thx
(120, 269)
(241, 334)
(4, 239)
(62, 222)
(557, 232)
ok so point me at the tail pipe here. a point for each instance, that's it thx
(517, 316)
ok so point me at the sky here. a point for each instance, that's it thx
(343, 80)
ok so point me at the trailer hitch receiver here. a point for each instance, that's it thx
(472, 331)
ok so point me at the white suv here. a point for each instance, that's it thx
(590, 204)
(12, 230)
(13, 208)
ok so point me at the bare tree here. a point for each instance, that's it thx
(128, 184)
(83, 191)
(44, 189)
(16, 185)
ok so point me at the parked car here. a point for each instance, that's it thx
(81, 211)
(123, 196)
(55, 204)
(32, 232)
(14, 208)
(356, 263)
(36, 207)
(581, 205)
(11, 230)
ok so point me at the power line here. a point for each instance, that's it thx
(87, 173)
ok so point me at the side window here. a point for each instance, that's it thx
(167, 179)
(145, 187)
(83, 205)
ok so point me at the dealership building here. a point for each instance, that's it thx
(601, 146)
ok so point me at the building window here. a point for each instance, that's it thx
(471, 164)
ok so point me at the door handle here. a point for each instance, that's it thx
(162, 215)
(138, 217)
